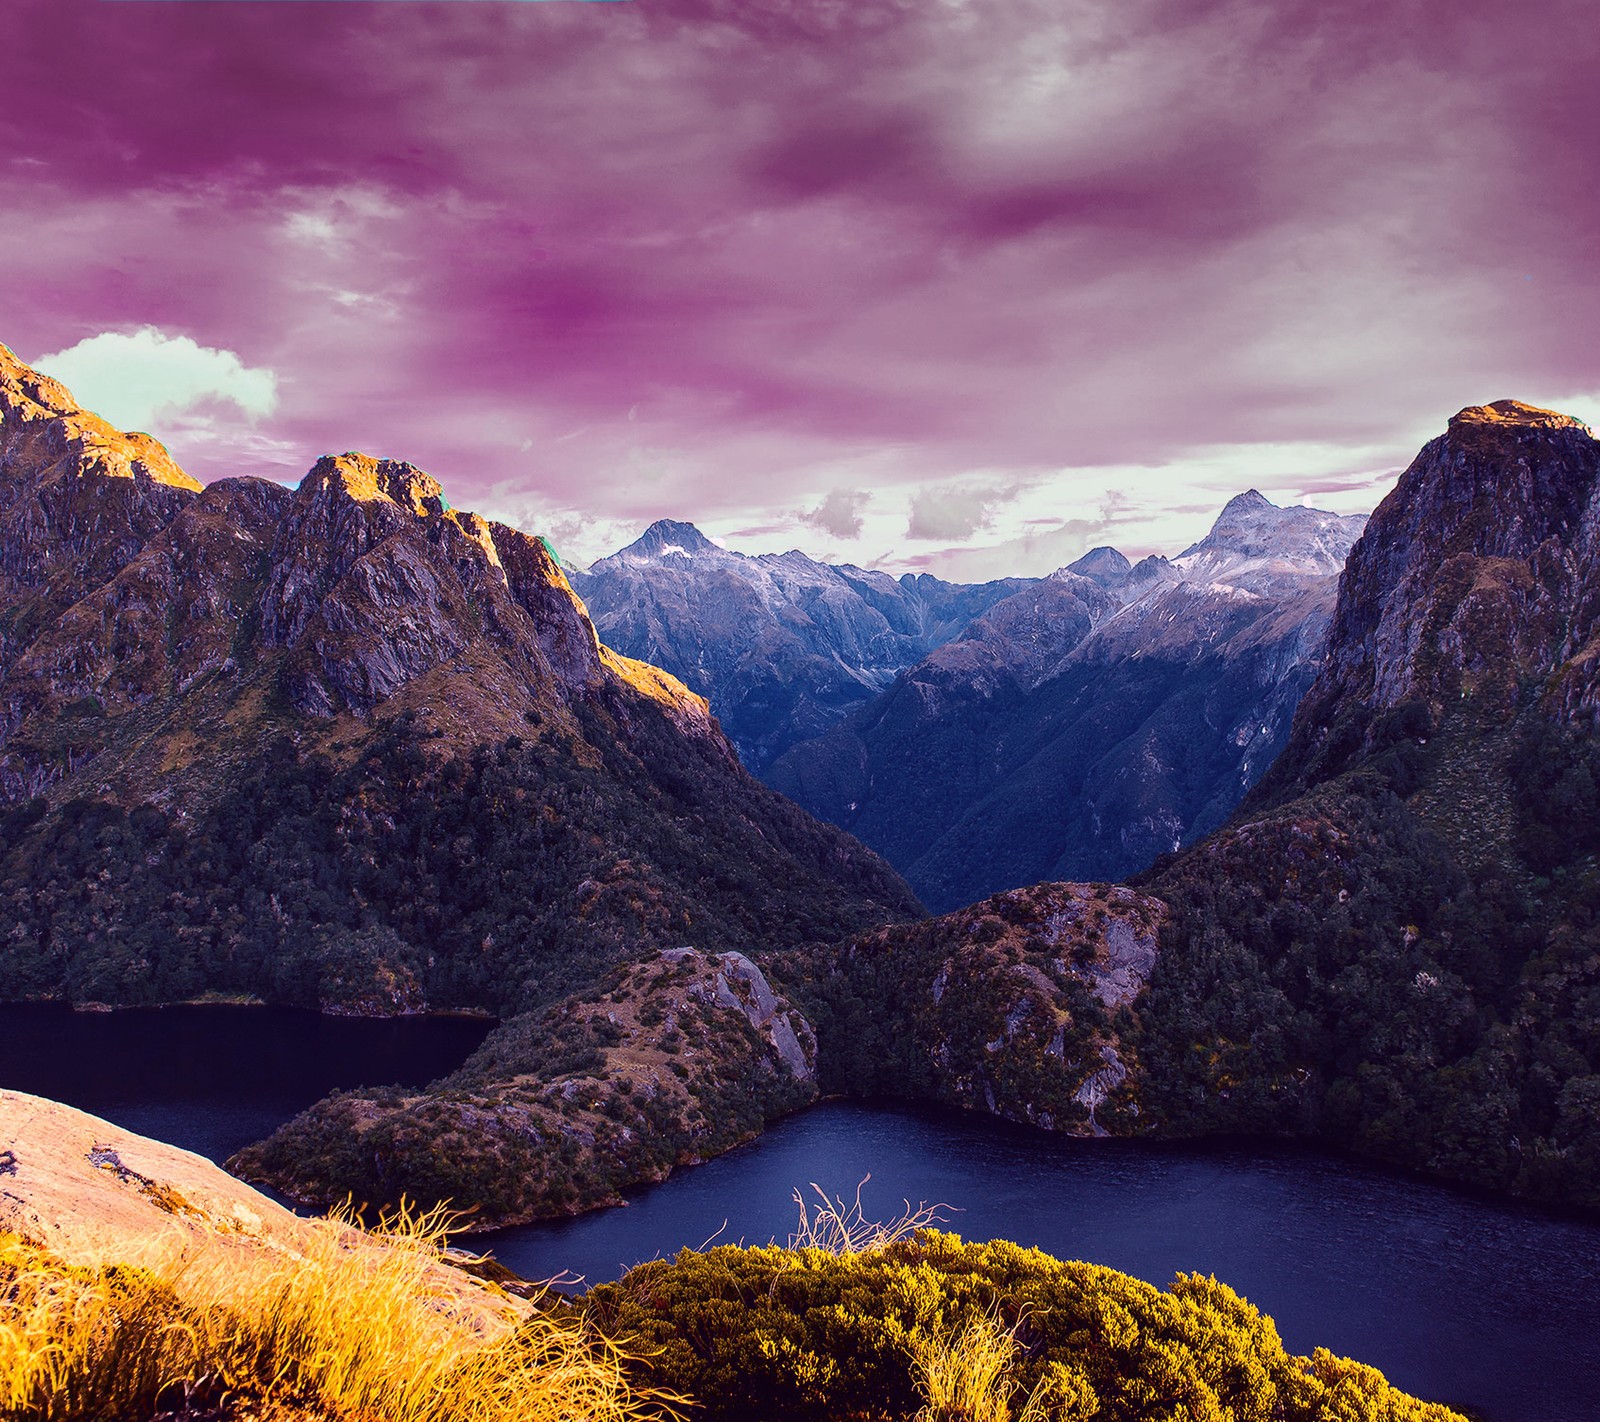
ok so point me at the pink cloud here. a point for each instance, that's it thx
(718, 259)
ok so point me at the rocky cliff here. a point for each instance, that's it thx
(345, 745)
(1473, 588)
(1393, 943)
(1091, 722)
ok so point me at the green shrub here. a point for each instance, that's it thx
(806, 1335)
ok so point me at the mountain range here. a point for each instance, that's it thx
(345, 747)
(987, 737)
(781, 645)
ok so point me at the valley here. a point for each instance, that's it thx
(349, 749)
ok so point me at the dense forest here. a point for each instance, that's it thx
(498, 878)
(1405, 961)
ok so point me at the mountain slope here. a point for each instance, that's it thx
(781, 646)
(1395, 944)
(1092, 722)
(344, 745)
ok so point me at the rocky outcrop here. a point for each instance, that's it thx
(86, 1190)
(1472, 584)
(672, 1061)
(78, 502)
(90, 1195)
(742, 986)
(1088, 724)
(375, 582)
(77, 498)
(1024, 1006)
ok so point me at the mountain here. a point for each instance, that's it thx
(1258, 546)
(345, 746)
(1395, 942)
(781, 646)
(1091, 722)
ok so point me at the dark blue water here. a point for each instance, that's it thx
(212, 1079)
(1456, 1298)
(1482, 1304)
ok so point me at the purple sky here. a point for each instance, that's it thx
(965, 285)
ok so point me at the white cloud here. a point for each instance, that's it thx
(839, 513)
(146, 378)
(954, 513)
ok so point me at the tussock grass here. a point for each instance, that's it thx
(344, 1325)
(968, 1374)
(841, 1227)
(964, 1374)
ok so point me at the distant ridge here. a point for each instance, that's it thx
(781, 645)
(1083, 726)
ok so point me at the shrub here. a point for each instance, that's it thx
(928, 1325)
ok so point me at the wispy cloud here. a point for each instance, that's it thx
(722, 261)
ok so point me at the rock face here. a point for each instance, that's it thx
(344, 745)
(86, 1191)
(1024, 1006)
(669, 1062)
(1393, 943)
(780, 645)
(1092, 722)
(1474, 582)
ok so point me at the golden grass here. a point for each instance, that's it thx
(839, 1226)
(963, 1374)
(345, 1325)
(966, 1375)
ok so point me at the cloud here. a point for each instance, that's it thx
(840, 512)
(953, 514)
(138, 380)
(614, 258)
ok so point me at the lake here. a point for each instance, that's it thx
(1477, 1302)
(1459, 1299)
(212, 1079)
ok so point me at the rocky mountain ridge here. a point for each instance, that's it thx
(343, 743)
(1255, 545)
(1474, 585)
(783, 645)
